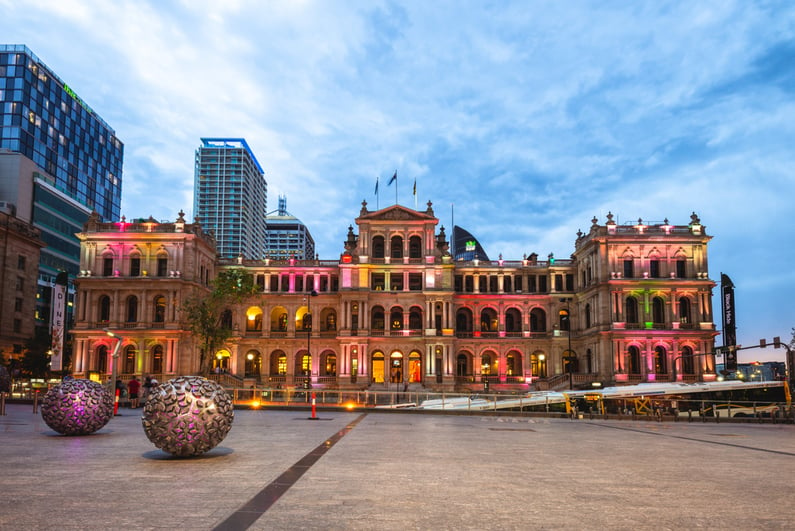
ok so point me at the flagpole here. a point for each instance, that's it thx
(376, 194)
(415, 193)
(396, 188)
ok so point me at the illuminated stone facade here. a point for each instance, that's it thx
(632, 304)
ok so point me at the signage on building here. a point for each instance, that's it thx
(57, 324)
(729, 324)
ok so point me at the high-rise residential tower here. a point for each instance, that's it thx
(288, 237)
(59, 161)
(230, 196)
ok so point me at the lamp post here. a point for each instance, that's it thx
(308, 325)
(569, 356)
(114, 369)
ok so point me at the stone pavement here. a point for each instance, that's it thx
(388, 470)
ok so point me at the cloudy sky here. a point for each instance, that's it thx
(530, 117)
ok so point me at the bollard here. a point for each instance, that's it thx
(717, 417)
(36, 402)
(2, 404)
(314, 407)
(690, 415)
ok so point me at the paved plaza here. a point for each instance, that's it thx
(382, 470)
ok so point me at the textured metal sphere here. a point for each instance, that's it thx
(77, 407)
(188, 416)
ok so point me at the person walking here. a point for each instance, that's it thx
(133, 387)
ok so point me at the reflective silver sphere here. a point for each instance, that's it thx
(188, 415)
(77, 407)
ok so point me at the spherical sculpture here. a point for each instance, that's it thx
(188, 416)
(77, 407)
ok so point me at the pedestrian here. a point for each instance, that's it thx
(133, 386)
(147, 387)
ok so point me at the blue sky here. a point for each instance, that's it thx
(531, 117)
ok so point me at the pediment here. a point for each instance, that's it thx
(395, 213)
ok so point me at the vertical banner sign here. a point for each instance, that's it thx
(58, 323)
(729, 324)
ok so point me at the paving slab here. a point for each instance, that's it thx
(355, 470)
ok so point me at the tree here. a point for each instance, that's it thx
(203, 312)
(35, 361)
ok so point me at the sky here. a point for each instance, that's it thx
(519, 120)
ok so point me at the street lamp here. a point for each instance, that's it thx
(569, 356)
(113, 367)
(308, 326)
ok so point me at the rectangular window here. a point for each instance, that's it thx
(558, 282)
(517, 283)
(415, 281)
(680, 268)
(17, 325)
(107, 267)
(377, 282)
(569, 282)
(628, 269)
(21, 262)
(20, 284)
(162, 267)
(17, 304)
(542, 284)
(135, 267)
(396, 279)
(654, 269)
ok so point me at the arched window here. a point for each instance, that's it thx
(415, 319)
(634, 360)
(660, 360)
(157, 359)
(254, 319)
(631, 310)
(513, 364)
(538, 320)
(330, 365)
(488, 320)
(102, 359)
(129, 359)
(658, 310)
(684, 310)
(485, 365)
(396, 247)
(396, 319)
(688, 362)
(513, 320)
(415, 247)
(132, 309)
(159, 309)
(104, 309)
(463, 320)
(378, 247)
(462, 365)
(253, 364)
(278, 365)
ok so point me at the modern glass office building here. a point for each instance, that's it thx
(59, 161)
(230, 196)
(44, 119)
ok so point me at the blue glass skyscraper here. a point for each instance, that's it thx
(44, 119)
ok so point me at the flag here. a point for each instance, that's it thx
(415, 186)
(393, 179)
(376, 186)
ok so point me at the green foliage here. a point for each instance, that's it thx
(203, 312)
(35, 361)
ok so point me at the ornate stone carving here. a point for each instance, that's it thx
(77, 407)
(188, 415)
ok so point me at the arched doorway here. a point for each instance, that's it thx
(462, 366)
(221, 361)
(377, 367)
(415, 367)
(253, 364)
(396, 367)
